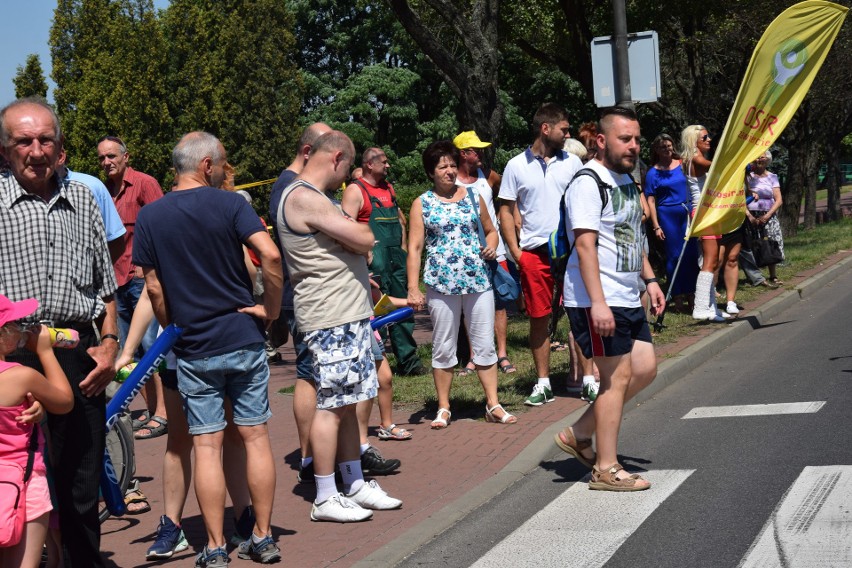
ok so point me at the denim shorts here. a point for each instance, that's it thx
(343, 364)
(241, 375)
(376, 348)
(304, 369)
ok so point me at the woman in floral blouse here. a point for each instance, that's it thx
(457, 278)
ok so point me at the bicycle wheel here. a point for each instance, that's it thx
(119, 443)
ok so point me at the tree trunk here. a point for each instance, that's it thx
(811, 164)
(832, 179)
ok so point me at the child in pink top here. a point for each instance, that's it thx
(53, 391)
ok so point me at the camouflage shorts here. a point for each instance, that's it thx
(343, 364)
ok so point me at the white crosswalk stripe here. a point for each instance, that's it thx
(593, 524)
(755, 410)
(812, 525)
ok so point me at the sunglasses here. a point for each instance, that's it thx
(115, 139)
(705, 138)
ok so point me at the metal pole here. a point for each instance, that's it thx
(622, 65)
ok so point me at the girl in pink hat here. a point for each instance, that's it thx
(54, 392)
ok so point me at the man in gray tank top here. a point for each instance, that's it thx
(326, 255)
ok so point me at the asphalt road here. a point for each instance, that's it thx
(773, 489)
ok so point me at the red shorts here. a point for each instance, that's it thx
(536, 281)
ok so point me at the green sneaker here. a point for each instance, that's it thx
(590, 392)
(539, 396)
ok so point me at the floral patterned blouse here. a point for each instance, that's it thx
(453, 265)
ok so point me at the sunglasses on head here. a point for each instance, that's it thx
(115, 139)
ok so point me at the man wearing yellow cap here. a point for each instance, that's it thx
(471, 175)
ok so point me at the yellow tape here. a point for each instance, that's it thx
(254, 184)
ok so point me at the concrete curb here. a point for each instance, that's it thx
(543, 449)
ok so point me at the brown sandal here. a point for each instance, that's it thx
(571, 445)
(606, 480)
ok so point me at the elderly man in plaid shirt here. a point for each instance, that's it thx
(53, 247)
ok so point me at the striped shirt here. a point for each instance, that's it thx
(55, 252)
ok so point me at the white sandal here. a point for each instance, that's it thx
(440, 423)
(507, 418)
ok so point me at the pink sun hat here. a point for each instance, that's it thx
(13, 311)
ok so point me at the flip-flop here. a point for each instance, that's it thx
(508, 368)
(558, 346)
(153, 431)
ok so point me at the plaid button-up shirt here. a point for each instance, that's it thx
(55, 252)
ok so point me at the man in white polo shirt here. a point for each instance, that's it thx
(534, 182)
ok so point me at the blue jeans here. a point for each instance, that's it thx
(126, 298)
(242, 375)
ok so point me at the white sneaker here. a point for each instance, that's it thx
(339, 509)
(732, 308)
(371, 496)
(722, 314)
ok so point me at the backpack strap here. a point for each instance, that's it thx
(603, 188)
(32, 448)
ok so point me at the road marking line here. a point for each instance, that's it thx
(811, 526)
(582, 527)
(755, 410)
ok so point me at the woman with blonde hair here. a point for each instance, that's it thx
(695, 145)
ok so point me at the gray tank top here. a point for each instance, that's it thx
(330, 284)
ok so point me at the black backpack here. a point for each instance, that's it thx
(559, 247)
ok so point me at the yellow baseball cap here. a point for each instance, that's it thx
(469, 139)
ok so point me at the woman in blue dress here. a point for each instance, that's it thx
(670, 206)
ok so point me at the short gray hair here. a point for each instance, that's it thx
(193, 148)
(36, 101)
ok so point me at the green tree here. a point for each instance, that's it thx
(109, 66)
(29, 81)
(232, 72)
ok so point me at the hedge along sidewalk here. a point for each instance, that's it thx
(690, 354)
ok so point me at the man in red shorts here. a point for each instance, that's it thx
(534, 181)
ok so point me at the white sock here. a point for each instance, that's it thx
(256, 539)
(326, 488)
(364, 448)
(353, 477)
(307, 461)
(588, 379)
(544, 381)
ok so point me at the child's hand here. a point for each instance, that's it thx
(38, 339)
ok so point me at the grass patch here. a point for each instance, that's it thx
(804, 251)
(823, 193)
(287, 390)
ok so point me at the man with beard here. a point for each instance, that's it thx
(601, 295)
(534, 182)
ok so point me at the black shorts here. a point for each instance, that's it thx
(630, 326)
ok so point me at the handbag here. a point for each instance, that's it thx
(13, 495)
(766, 251)
(505, 286)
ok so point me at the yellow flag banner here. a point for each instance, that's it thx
(782, 69)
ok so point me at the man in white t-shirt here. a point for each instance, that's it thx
(601, 296)
(534, 182)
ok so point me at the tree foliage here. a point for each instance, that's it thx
(29, 80)
(226, 67)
